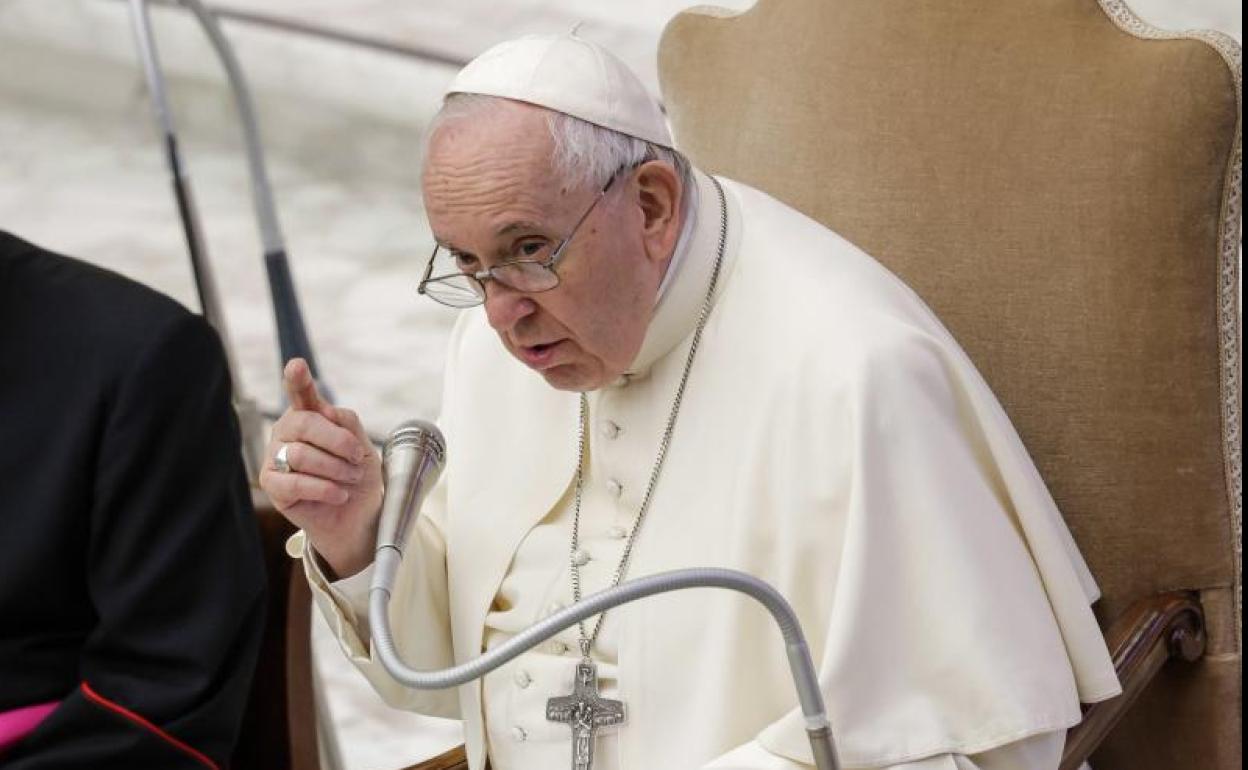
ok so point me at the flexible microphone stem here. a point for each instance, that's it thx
(412, 462)
(250, 424)
(818, 729)
(291, 333)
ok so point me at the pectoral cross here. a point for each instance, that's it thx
(585, 711)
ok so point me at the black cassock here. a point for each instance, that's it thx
(131, 579)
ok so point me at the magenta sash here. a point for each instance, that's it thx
(18, 723)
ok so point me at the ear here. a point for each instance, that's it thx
(658, 195)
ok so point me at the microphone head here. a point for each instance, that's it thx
(421, 435)
(411, 464)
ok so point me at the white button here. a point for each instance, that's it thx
(609, 429)
(294, 545)
(523, 679)
(617, 533)
(558, 648)
(519, 734)
(580, 557)
(615, 488)
(621, 381)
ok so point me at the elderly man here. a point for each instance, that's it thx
(692, 374)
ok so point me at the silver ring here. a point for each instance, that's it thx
(281, 460)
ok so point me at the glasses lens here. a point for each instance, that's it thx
(526, 276)
(455, 290)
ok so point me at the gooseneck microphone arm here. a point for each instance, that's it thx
(205, 284)
(250, 423)
(818, 729)
(414, 458)
(292, 336)
(291, 333)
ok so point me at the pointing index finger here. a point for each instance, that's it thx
(300, 387)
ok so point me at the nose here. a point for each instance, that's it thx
(505, 307)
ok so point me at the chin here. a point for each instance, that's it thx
(572, 378)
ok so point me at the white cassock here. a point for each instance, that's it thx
(834, 441)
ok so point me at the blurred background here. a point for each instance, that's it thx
(344, 89)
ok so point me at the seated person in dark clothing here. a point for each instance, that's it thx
(131, 578)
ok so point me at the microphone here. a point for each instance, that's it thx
(411, 463)
(413, 460)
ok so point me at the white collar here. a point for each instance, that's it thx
(684, 286)
(690, 207)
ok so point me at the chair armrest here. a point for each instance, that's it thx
(1149, 633)
(455, 759)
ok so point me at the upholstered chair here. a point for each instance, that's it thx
(1061, 183)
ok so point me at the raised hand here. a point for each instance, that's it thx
(333, 487)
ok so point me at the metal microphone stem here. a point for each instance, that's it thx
(251, 427)
(818, 729)
(291, 333)
(292, 336)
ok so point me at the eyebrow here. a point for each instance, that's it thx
(505, 230)
(508, 229)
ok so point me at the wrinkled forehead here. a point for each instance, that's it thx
(489, 179)
(479, 169)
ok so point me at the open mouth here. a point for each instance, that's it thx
(538, 356)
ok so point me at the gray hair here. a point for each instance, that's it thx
(584, 154)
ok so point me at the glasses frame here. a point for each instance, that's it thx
(488, 274)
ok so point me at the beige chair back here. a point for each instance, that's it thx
(1061, 183)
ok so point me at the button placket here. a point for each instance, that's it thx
(615, 446)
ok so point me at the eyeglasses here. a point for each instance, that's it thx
(528, 270)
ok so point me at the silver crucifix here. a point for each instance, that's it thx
(585, 711)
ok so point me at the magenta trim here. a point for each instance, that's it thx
(18, 723)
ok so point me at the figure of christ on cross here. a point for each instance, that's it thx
(585, 711)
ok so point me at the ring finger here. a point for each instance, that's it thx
(310, 460)
(287, 489)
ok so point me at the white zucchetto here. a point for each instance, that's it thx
(567, 74)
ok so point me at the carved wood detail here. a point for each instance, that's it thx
(1149, 633)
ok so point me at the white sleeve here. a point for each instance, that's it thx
(1039, 752)
(419, 616)
(349, 595)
